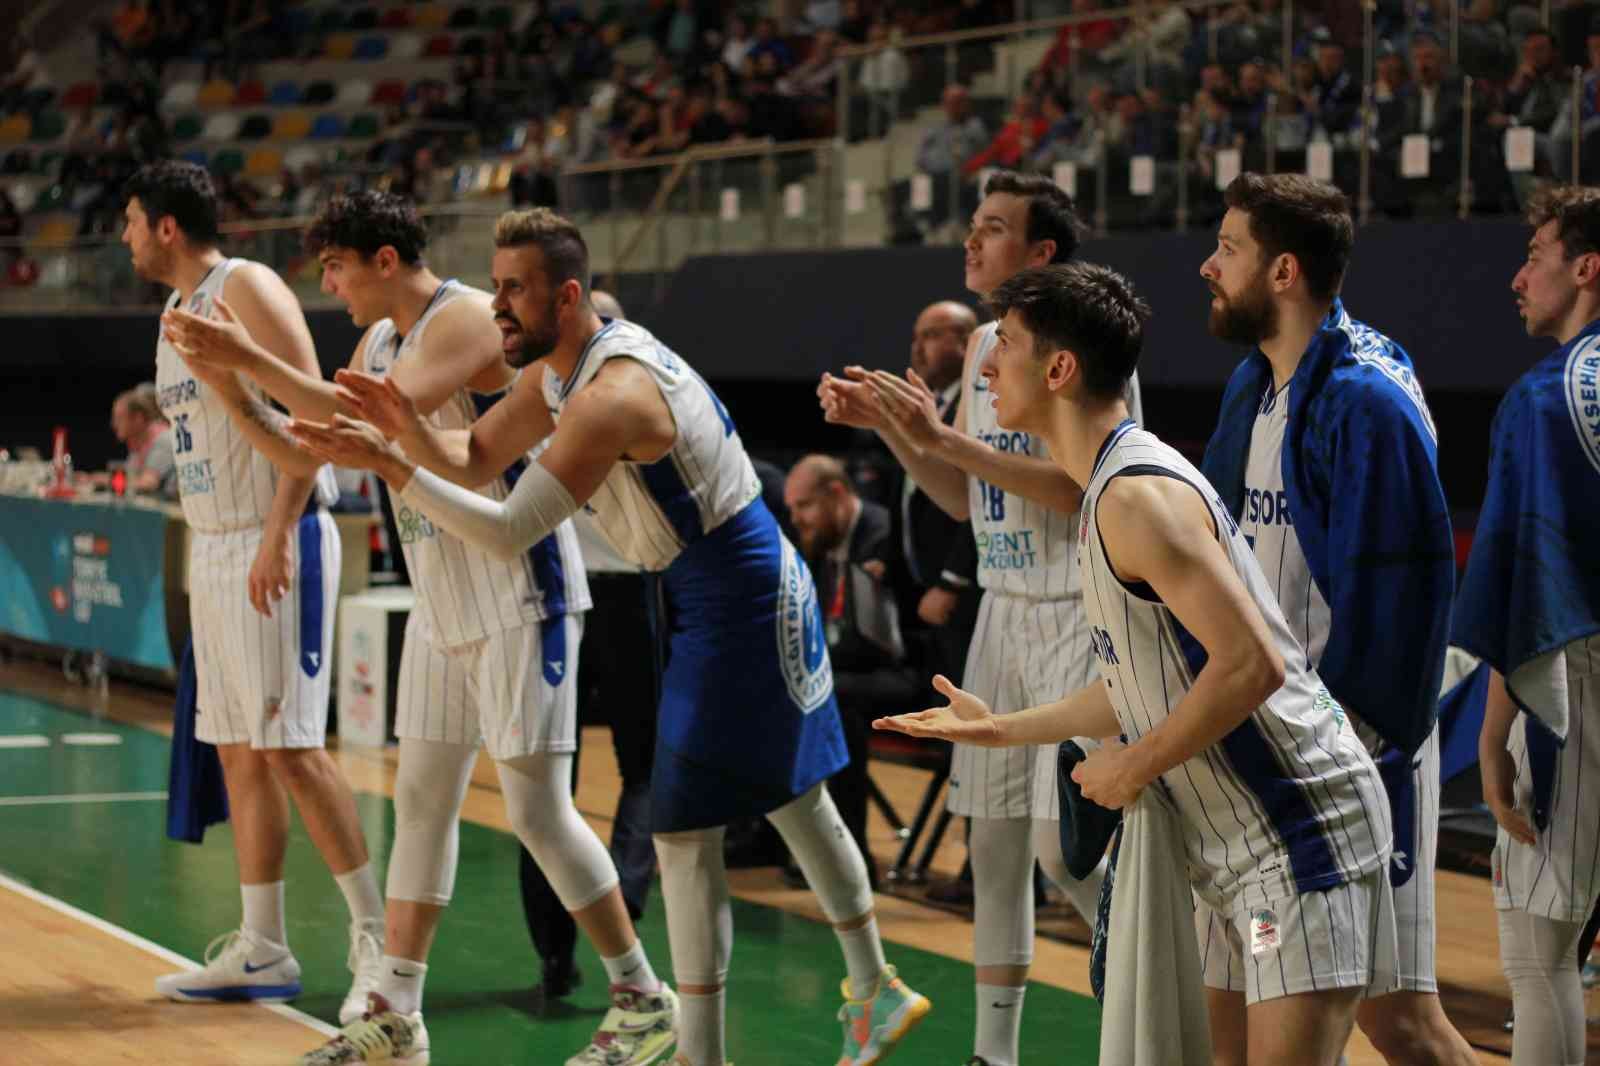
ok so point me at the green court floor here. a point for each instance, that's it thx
(111, 857)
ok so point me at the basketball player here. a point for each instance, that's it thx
(1325, 456)
(748, 723)
(1286, 829)
(1529, 605)
(490, 655)
(264, 580)
(1023, 511)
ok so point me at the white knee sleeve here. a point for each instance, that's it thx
(1002, 887)
(694, 886)
(1084, 894)
(428, 791)
(1540, 959)
(538, 794)
(817, 838)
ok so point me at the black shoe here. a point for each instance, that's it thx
(560, 979)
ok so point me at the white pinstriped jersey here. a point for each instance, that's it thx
(466, 595)
(1024, 548)
(1289, 801)
(651, 511)
(224, 483)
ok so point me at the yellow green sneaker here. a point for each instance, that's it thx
(873, 1026)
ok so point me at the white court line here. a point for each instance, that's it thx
(24, 740)
(151, 946)
(91, 739)
(80, 797)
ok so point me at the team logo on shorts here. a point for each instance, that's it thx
(1263, 931)
(802, 647)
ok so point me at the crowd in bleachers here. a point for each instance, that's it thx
(415, 96)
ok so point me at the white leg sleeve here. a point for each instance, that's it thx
(538, 793)
(694, 885)
(1002, 886)
(428, 792)
(817, 838)
(1540, 959)
(1085, 894)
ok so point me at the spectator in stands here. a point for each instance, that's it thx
(1250, 100)
(1245, 31)
(768, 43)
(1335, 98)
(847, 543)
(1079, 46)
(677, 28)
(1215, 133)
(1389, 78)
(771, 113)
(855, 22)
(814, 79)
(736, 49)
(1060, 141)
(1538, 90)
(707, 124)
(138, 424)
(1557, 145)
(884, 75)
(10, 232)
(1020, 133)
(1162, 36)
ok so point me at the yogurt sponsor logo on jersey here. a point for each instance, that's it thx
(413, 525)
(802, 648)
(1583, 396)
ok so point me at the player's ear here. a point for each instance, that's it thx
(1284, 269)
(1588, 268)
(1060, 369)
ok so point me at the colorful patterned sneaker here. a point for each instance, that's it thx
(238, 966)
(381, 1035)
(639, 1028)
(872, 1027)
(366, 963)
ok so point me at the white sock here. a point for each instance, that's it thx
(999, 1023)
(863, 958)
(700, 1021)
(401, 983)
(632, 968)
(360, 888)
(263, 911)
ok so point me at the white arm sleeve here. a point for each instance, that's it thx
(537, 505)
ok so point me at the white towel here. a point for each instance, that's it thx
(1155, 997)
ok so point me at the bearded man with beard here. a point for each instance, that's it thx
(1325, 454)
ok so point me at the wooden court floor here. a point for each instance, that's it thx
(95, 903)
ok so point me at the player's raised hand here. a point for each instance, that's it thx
(345, 442)
(377, 401)
(1109, 776)
(909, 405)
(849, 402)
(220, 342)
(966, 719)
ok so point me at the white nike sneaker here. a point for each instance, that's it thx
(381, 1035)
(238, 966)
(639, 1028)
(366, 963)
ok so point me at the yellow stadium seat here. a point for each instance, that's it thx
(263, 162)
(291, 126)
(339, 46)
(430, 17)
(216, 93)
(56, 230)
(15, 128)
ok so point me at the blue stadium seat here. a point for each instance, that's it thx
(327, 127)
(284, 94)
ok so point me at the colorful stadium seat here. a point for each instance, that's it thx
(291, 126)
(405, 46)
(463, 18)
(431, 16)
(354, 93)
(48, 125)
(216, 93)
(14, 128)
(327, 127)
(375, 46)
(263, 162)
(320, 92)
(284, 94)
(221, 127)
(363, 125)
(250, 94)
(363, 18)
(187, 127)
(396, 18)
(80, 94)
(197, 156)
(392, 91)
(339, 46)
(228, 161)
(255, 127)
(440, 45)
(180, 94)
(471, 45)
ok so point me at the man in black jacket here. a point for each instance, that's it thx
(846, 540)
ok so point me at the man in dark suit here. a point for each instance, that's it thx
(846, 541)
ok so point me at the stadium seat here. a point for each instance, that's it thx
(498, 18)
(48, 125)
(430, 16)
(284, 94)
(223, 127)
(16, 161)
(57, 230)
(392, 91)
(216, 93)
(263, 162)
(396, 18)
(51, 198)
(320, 92)
(327, 127)
(463, 18)
(291, 126)
(80, 94)
(197, 156)
(375, 46)
(472, 45)
(339, 46)
(187, 127)
(180, 94)
(14, 128)
(228, 161)
(49, 162)
(363, 18)
(363, 125)
(300, 156)
(255, 127)
(354, 93)
(405, 46)
(440, 45)
(250, 94)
